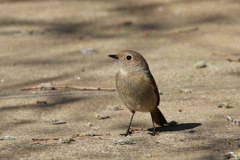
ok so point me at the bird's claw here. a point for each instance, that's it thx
(127, 133)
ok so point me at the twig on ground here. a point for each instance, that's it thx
(54, 138)
(73, 136)
(72, 87)
(107, 134)
(230, 60)
(98, 137)
(136, 129)
(188, 30)
(226, 54)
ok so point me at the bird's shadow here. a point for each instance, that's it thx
(177, 127)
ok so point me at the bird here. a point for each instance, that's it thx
(137, 87)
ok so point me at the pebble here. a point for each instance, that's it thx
(223, 105)
(102, 116)
(113, 107)
(236, 121)
(7, 138)
(56, 121)
(184, 90)
(200, 64)
(66, 140)
(89, 124)
(229, 118)
(88, 134)
(122, 142)
(89, 51)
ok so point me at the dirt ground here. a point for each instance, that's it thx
(41, 42)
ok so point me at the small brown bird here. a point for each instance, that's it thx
(137, 88)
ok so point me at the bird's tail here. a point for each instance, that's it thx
(158, 117)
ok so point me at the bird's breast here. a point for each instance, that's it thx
(136, 91)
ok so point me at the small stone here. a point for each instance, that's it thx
(7, 138)
(89, 51)
(147, 155)
(184, 90)
(229, 118)
(236, 121)
(88, 134)
(48, 84)
(160, 92)
(102, 116)
(77, 77)
(223, 105)
(56, 121)
(228, 155)
(89, 124)
(66, 140)
(113, 107)
(200, 64)
(122, 142)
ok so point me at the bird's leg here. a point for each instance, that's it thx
(154, 133)
(128, 130)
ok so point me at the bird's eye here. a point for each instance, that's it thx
(129, 57)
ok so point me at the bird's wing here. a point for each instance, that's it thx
(155, 88)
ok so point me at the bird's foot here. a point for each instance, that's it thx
(127, 133)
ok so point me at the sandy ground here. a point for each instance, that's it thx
(41, 41)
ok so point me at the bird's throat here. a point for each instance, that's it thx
(123, 72)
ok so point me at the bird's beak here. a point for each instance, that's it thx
(113, 56)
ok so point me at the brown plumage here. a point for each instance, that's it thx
(136, 86)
